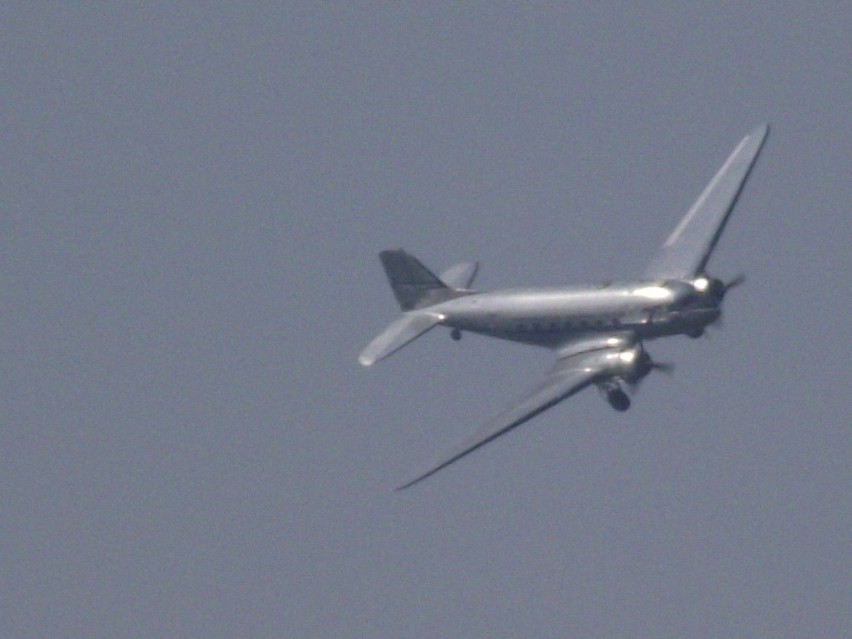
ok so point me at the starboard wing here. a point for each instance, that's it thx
(688, 248)
(570, 375)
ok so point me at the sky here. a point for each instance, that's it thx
(193, 199)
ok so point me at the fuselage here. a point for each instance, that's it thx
(552, 316)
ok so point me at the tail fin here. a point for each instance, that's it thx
(414, 285)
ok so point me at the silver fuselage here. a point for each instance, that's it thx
(597, 332)
(551, 317)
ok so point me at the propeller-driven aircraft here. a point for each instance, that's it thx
(598, 333)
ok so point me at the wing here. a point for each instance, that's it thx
(570, 375)
(688, 248)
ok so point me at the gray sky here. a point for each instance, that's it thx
(192, 204)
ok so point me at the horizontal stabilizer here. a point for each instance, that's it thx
(461, 275)
(400, 332)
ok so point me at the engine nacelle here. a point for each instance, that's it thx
(630, 364)
(710, 287)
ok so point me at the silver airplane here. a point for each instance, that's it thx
(597, 332)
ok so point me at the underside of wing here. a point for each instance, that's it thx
(688, 248)
(570, 375)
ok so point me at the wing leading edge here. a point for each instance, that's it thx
(569, 376)
(688, 248)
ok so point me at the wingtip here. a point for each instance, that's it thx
(366, 361)
(409, 484)
(761, 131)
(421, 477)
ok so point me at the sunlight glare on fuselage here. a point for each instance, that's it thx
(701, 284)
(653, 292)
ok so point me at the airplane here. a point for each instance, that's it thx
(597, 333)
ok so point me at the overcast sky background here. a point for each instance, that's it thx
(192, 203)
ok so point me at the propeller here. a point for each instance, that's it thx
(667, 368)
(719, 289)
(735, 282)
(723, 289)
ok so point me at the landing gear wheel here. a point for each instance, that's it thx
(455, 334)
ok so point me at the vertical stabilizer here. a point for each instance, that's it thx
(413, 284)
